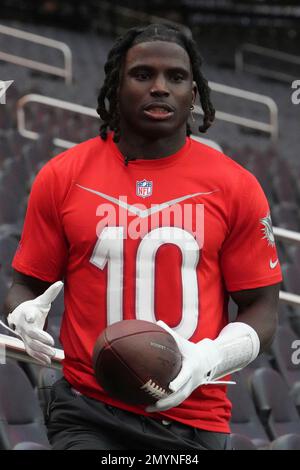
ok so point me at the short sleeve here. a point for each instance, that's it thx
(248, 255)
(43, 248)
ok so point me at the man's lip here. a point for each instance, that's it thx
(155, 115)
(158, 104)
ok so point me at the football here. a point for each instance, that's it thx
(135, 360)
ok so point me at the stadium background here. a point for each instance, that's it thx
(260, 132)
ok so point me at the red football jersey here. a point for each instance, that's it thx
(161, 239)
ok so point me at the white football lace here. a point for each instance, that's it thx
(154, 390)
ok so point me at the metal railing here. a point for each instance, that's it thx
(211, 143)
(286, 235)
(65, 72)
(265, 52)
(270, 128)
(15, 349)
(292, 237)
(47, 100)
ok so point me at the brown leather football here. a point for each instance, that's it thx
(135, 360)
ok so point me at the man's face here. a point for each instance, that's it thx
(156, 89)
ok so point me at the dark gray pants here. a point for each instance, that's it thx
(75, 421)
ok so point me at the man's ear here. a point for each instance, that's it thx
(194, 92)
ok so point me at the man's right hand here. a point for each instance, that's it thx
(29, 318)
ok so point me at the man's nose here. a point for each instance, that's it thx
(159, 87)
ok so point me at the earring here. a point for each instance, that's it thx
(192, 107)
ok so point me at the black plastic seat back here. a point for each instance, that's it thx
(283, 347)
(21, 418)
(244, 419)
(239, 442)
(287, 442)
(272, 398)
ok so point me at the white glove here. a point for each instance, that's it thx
(198, 359)
(29, 318)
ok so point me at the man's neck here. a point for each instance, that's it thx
(133, 147)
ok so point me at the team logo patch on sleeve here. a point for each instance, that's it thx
(144, 188)
(268, 229)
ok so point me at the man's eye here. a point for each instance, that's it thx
(142, 75)
(178, 77)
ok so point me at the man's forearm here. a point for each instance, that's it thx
(258, 308)
(263, 321)
(238, 344)
(17, 294)
(23, 288)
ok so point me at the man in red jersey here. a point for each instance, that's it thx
(147, 223)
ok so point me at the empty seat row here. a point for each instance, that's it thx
(263, 408)
(286, 442)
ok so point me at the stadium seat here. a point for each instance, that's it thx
(263, 360)
(3, 290)
(21, 418)
(15, 175)
(281, 251)
(275, 406)
(260, 168)
(284, 352)
(284, 183)
(41, 150)
(294, 253)
(284, 192)
(244, 420)
(284, 313)
(287, 442)
(295, 320)
(239, 442)
(291, 276)
(31, 446)
(286, 215)
(9, 205)
(8, 246)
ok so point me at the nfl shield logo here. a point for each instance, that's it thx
(144, 188)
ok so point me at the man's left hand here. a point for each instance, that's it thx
(198, 359)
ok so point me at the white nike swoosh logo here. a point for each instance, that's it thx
(273, 265)
(144, 213)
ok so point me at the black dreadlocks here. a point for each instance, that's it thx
(153, 32)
